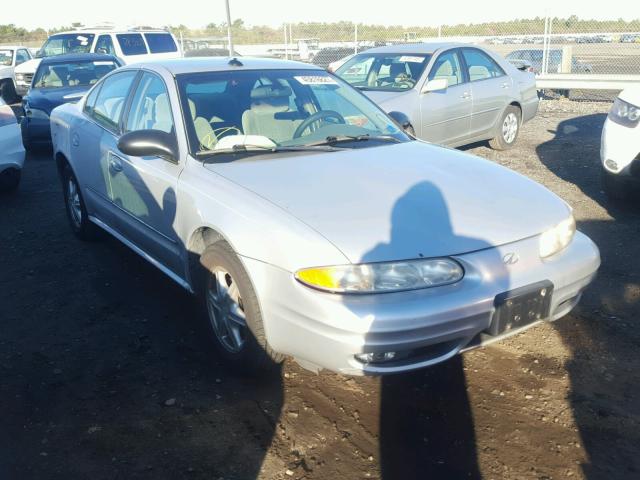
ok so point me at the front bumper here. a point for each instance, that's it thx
(323, 330)
(620, 149)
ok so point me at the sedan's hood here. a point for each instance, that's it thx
(380, 97)
(49, 98)
(401, 201)
(30, 66)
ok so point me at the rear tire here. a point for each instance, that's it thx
(9, 179)
(508, 129)
(232, 312)
(76, 210)
(8, 91)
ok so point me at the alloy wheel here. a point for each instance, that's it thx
(226, 310)
(510, 127)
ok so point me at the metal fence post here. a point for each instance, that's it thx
(355, 48)
(229, 36)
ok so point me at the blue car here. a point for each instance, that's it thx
(60, 79)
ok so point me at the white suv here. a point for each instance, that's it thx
(131, 46)
(620, 146)
(10, 57)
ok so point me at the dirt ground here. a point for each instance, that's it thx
(105, 374)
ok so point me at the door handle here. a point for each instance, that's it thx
(115, 165)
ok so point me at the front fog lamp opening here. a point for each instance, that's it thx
(377, 357)
(384, 277)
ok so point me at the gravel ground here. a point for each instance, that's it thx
(104, 372)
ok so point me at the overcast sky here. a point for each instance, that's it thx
(197, 13)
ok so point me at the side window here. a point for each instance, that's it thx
(105, 45)
(480, 66)
(107, 110)
(160, 42)
(150, 108)
(91, 100)
(21, 56)
(131, 44)
(447, 66)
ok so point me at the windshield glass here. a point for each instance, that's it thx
(6, 57)
(67, 43)
(72, 74)
(279, 108)
(384, 71)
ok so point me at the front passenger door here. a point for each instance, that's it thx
(446, 114)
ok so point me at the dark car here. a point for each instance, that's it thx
(328, 55)
(59, 79)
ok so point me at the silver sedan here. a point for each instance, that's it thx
(307, 223)
(452, 94)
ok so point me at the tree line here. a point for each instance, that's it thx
(345, 31)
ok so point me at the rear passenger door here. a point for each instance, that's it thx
(446, 114)
(96, 137)
(490, 89)
(143, 189)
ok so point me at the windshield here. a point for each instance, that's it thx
(384, 71)
(279, 108)
(66, 43)
(72, 74)
(6, 57)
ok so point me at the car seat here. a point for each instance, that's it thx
(267, 102)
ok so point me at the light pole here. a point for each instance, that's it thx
(229, 38)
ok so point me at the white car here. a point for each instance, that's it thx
(620, 146)
(10, 57)
(11, 149)
(131, 46)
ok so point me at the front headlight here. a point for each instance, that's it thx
(557, 238)
(382, 277)
(624, 113)
(19, 77)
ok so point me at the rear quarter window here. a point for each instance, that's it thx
(131, 44)
(161, 42)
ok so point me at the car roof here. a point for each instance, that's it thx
(100, 31)
(80, 57)
(420, 48)
(179, 66)
(13, 47)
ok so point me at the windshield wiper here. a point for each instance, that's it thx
(244, 148)
(335, 139)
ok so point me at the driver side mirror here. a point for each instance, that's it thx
(149, 143)
(435, 85)
(403, 122)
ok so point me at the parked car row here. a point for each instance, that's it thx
(534, 59)
(10, 57)
(128, 45)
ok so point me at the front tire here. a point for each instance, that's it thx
(614, 187)
(508, 130)
(76, 209)
(232, 311)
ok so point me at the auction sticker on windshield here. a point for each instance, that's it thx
(410, 59)
(316, 80)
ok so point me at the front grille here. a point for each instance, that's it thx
(28, 77)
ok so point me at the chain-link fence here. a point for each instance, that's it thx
(549, 45)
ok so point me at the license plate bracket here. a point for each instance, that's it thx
(520, 307)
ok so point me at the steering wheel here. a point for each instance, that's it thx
(321, 115)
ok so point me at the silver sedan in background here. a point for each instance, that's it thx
(451, 93)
